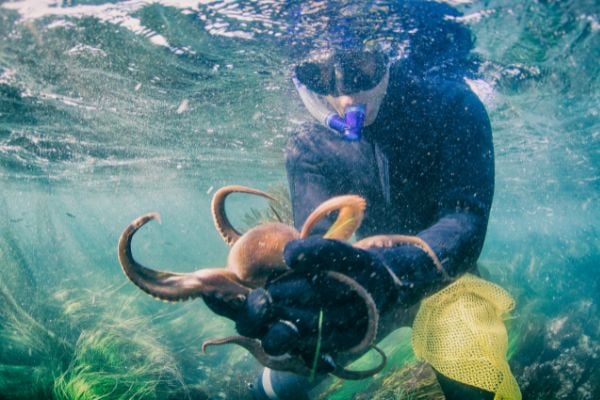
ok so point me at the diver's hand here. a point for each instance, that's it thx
(292, 312)
(315, 255)
(415, 273)
(285, 315)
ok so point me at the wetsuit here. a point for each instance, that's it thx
(425, 167)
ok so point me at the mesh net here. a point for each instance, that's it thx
(460, 332)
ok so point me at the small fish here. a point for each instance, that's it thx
(70, 215)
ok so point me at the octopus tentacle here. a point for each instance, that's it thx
(351, 211)
(254, 346)
(352, 375)
(229, 234)
(394, 240)
(290, 363)
(173, 286)
(372, 313)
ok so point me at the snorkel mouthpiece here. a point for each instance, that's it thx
(355, 118)
(351, 125)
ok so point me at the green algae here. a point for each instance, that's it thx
(112, 357)
(279, 210)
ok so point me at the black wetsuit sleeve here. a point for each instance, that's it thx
(466, 173)
(467, 185)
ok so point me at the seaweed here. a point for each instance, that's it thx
(112, 357)
(117, 362)
(30, 353)
(280, 209)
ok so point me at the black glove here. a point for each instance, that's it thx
(285, 314)
(415, 273)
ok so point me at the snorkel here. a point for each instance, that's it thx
(343, 90)
(350, 127)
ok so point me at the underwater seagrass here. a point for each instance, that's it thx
(90, 351)
(279, 210)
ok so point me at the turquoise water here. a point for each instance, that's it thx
(112, 109)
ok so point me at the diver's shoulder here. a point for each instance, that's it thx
(453, 95)
(310, 138)
(450, 89)
(407, 82)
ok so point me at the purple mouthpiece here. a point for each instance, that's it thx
(351, 125)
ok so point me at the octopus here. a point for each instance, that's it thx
(256, 256)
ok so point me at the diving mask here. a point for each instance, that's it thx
(362, 74)
(360, 114)
(344, 72)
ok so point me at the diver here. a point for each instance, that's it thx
(416, 143)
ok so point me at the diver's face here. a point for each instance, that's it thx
(371, 98)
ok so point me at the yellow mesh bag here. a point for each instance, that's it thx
(460, 332)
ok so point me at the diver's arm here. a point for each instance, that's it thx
(285, 314)
(465, 197)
